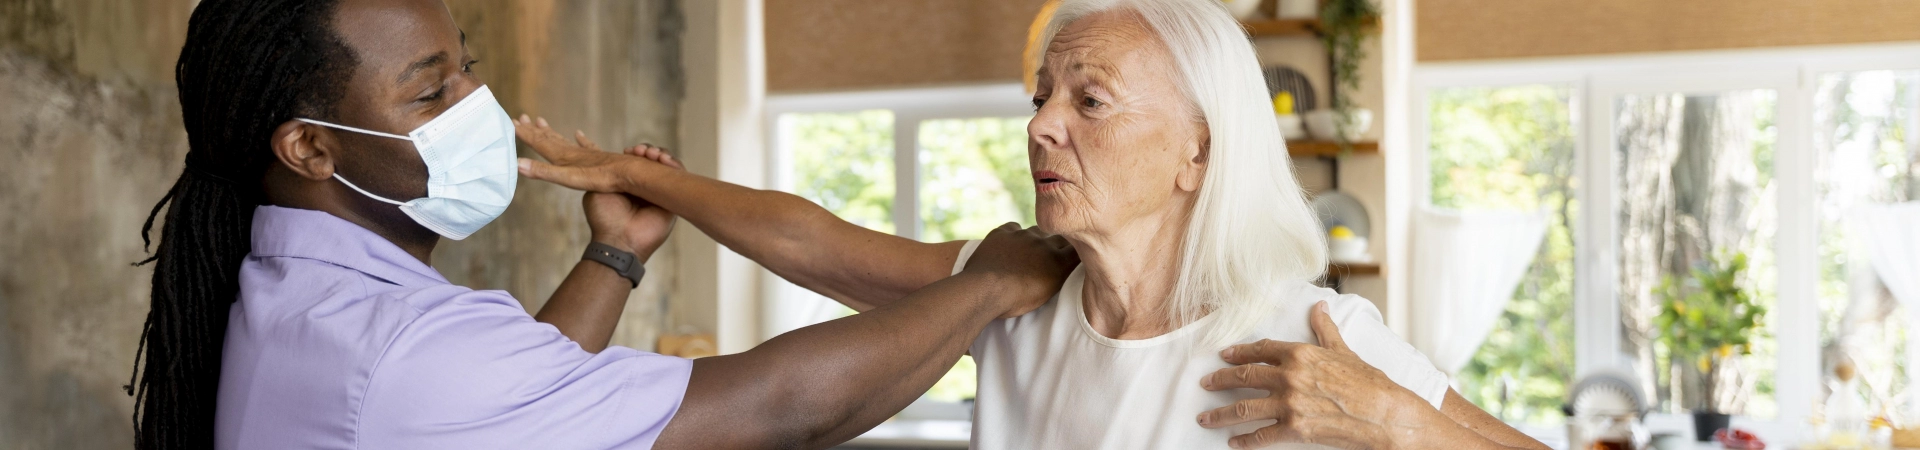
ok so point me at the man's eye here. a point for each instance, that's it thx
(468, 67)
(1090, 102)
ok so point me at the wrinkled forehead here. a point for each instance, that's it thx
(1104, 42)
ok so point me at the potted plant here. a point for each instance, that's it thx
(1707, 325)
(1343, 28)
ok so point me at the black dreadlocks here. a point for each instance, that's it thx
(247, 67)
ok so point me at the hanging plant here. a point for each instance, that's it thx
(1343, 28)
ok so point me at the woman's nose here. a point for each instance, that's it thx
(1048, 127)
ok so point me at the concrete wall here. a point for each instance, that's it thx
(90, 130)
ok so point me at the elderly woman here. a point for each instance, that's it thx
(1155, 154)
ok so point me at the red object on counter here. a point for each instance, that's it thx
(1735, 439)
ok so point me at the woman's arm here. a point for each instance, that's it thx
(824, 384)
(793, 237)
(1327, 395)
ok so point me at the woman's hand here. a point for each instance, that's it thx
(1033, 259)
(1317, 394)
(581, 164)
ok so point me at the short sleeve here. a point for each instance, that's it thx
(966, 251)
(976, 350)
(1361, 325)
(477, 372)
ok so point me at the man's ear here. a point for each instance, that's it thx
(1194, 168)
(305, 149)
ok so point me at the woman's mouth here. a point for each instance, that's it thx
(1046, 180)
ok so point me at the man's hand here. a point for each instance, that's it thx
(580, 164)
(624, 221)
(1318, 394)
(1035, 260)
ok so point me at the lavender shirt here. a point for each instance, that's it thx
(341, 340)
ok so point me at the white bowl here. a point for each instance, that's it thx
(1298, 9)
(1350, 250)
(1291, 127)
(1321, 125)
(1243, 9)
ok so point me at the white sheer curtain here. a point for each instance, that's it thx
(1465, 267)
(1892, 233)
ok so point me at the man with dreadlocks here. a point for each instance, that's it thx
(293, 304)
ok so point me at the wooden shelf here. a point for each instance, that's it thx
(1282, 27)
(1312, 149)
(1335, 270)
(1291, 27)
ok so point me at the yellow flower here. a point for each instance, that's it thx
(1679, 308)
(1703, 364)
(1725, 350)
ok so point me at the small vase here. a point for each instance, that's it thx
(1707, 423)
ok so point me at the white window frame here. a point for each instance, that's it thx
(910, 108)
(1793, 73)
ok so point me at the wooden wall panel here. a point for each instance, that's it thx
(1448, 30)
(827, 45)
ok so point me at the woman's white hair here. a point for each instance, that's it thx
(1251, 233)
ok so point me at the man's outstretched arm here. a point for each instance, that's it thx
(824, 384)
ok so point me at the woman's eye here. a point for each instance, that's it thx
(1039, 102)
(1090, 102)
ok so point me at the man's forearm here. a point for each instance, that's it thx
(829, 382)
(586, 307)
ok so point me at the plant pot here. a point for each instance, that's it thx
(1706, 423)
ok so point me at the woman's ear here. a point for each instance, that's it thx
(305, 149)
(1193, 168)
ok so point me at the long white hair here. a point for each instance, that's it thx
(1251, 233)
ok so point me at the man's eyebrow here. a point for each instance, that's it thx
(423, 64)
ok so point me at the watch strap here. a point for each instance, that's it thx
(623, 263)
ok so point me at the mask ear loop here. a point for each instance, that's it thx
(337, 176)
(356, 130)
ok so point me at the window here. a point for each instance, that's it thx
(1863, 138)
(1695, 184)
(934, 165)
(1680, 160)
(1512, 148)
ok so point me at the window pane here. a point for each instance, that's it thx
(973, 177)
(844, 162)
(1512, 148)
(1864, 125)
(1696, 189)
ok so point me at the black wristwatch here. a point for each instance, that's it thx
(623, 263)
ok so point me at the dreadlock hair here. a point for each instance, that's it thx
(247, 67)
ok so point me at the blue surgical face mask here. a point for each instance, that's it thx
(470, 166)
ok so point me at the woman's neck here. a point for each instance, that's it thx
(1130, 275)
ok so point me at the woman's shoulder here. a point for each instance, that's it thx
(1293, 303)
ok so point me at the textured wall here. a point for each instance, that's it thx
(1483, 29)
(90, 130)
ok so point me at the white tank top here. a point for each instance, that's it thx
(1048, 380)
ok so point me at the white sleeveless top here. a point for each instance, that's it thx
(1048, 380)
